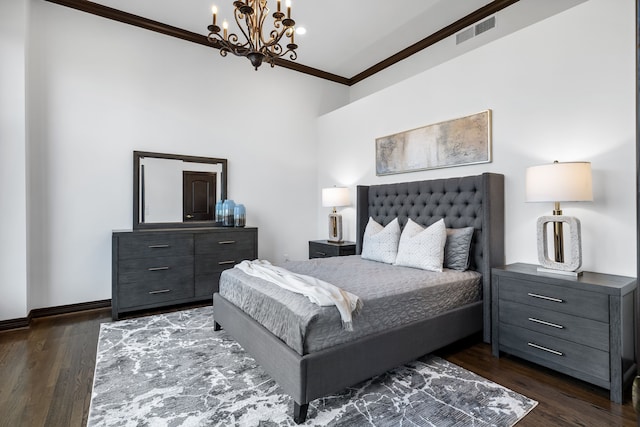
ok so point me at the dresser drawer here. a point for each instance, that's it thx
(154, 292)
(154, 245)
(570, 328)
(576, 302)
(550, 351)
(226, 246)
(161, 270)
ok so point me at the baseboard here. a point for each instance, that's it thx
(70, 308)
(24, 322)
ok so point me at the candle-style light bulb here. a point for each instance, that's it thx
(289, 9)
(214, 10)
(278, 5)
(225, 26)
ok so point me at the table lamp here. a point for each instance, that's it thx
(335, 197)
(559, 182)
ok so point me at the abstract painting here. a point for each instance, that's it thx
(457, 142)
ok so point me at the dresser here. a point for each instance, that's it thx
(163, 267)
(326, 249)
(582, 327)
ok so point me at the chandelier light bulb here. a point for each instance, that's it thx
(214, 11)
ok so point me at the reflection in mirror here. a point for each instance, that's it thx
(174, 190)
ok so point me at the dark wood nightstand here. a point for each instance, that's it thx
(581, 326)
(326, 249)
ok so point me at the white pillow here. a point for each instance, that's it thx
(381, 243)
(422, 248)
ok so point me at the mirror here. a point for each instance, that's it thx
(170, 190)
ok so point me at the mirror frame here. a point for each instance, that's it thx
(137, 155)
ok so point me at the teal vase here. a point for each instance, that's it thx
(227, 212)
(218, 212)
(239, 216)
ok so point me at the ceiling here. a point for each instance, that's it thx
(344, 37)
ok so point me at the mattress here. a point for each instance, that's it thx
(391, 295)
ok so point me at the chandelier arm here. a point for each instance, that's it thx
(230, 43)
(275, 37)
(262, 18)
(239, 16)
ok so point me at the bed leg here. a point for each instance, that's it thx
(300, 412)
(216, 326)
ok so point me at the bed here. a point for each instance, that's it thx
(308, 374)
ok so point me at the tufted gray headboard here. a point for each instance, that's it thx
(471, 201)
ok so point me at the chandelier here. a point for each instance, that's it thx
(257, 46)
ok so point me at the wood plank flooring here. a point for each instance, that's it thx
(46, 376)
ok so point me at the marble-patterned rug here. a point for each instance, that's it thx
(174, 370)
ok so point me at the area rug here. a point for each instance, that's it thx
(175, 370)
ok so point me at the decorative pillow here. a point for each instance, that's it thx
(381, 243)
(457, 247)
(422, 248)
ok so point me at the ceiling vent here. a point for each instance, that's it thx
(475, 30)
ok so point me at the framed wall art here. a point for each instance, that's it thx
(462, 141)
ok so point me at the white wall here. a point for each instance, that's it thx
(99, 89)
(13, 173)
(508, 20)
(560, 89)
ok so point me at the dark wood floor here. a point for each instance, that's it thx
(46, 375)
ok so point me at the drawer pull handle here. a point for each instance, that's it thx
(158, 246)
(226, 242)
(321, 253)
(161, 291)
(544, 297)
(157, 268)
(539, 347)
(542, 322)
(226, 262)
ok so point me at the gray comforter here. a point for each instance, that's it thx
(392, 296)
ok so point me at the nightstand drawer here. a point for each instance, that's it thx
(576, 302)
(561, 325)
(326, 249)
(154, 245)
(551, 351)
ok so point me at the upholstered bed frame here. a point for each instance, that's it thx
(476, 201)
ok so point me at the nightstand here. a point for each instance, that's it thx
(582, 327)
(326, 249)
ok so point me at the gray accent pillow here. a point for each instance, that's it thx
(457, 247)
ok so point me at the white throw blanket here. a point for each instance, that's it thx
(318, 291)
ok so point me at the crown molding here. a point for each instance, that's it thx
(159, 27)
(449, 30)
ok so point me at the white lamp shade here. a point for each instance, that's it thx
(335, 196)
(559, 182)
